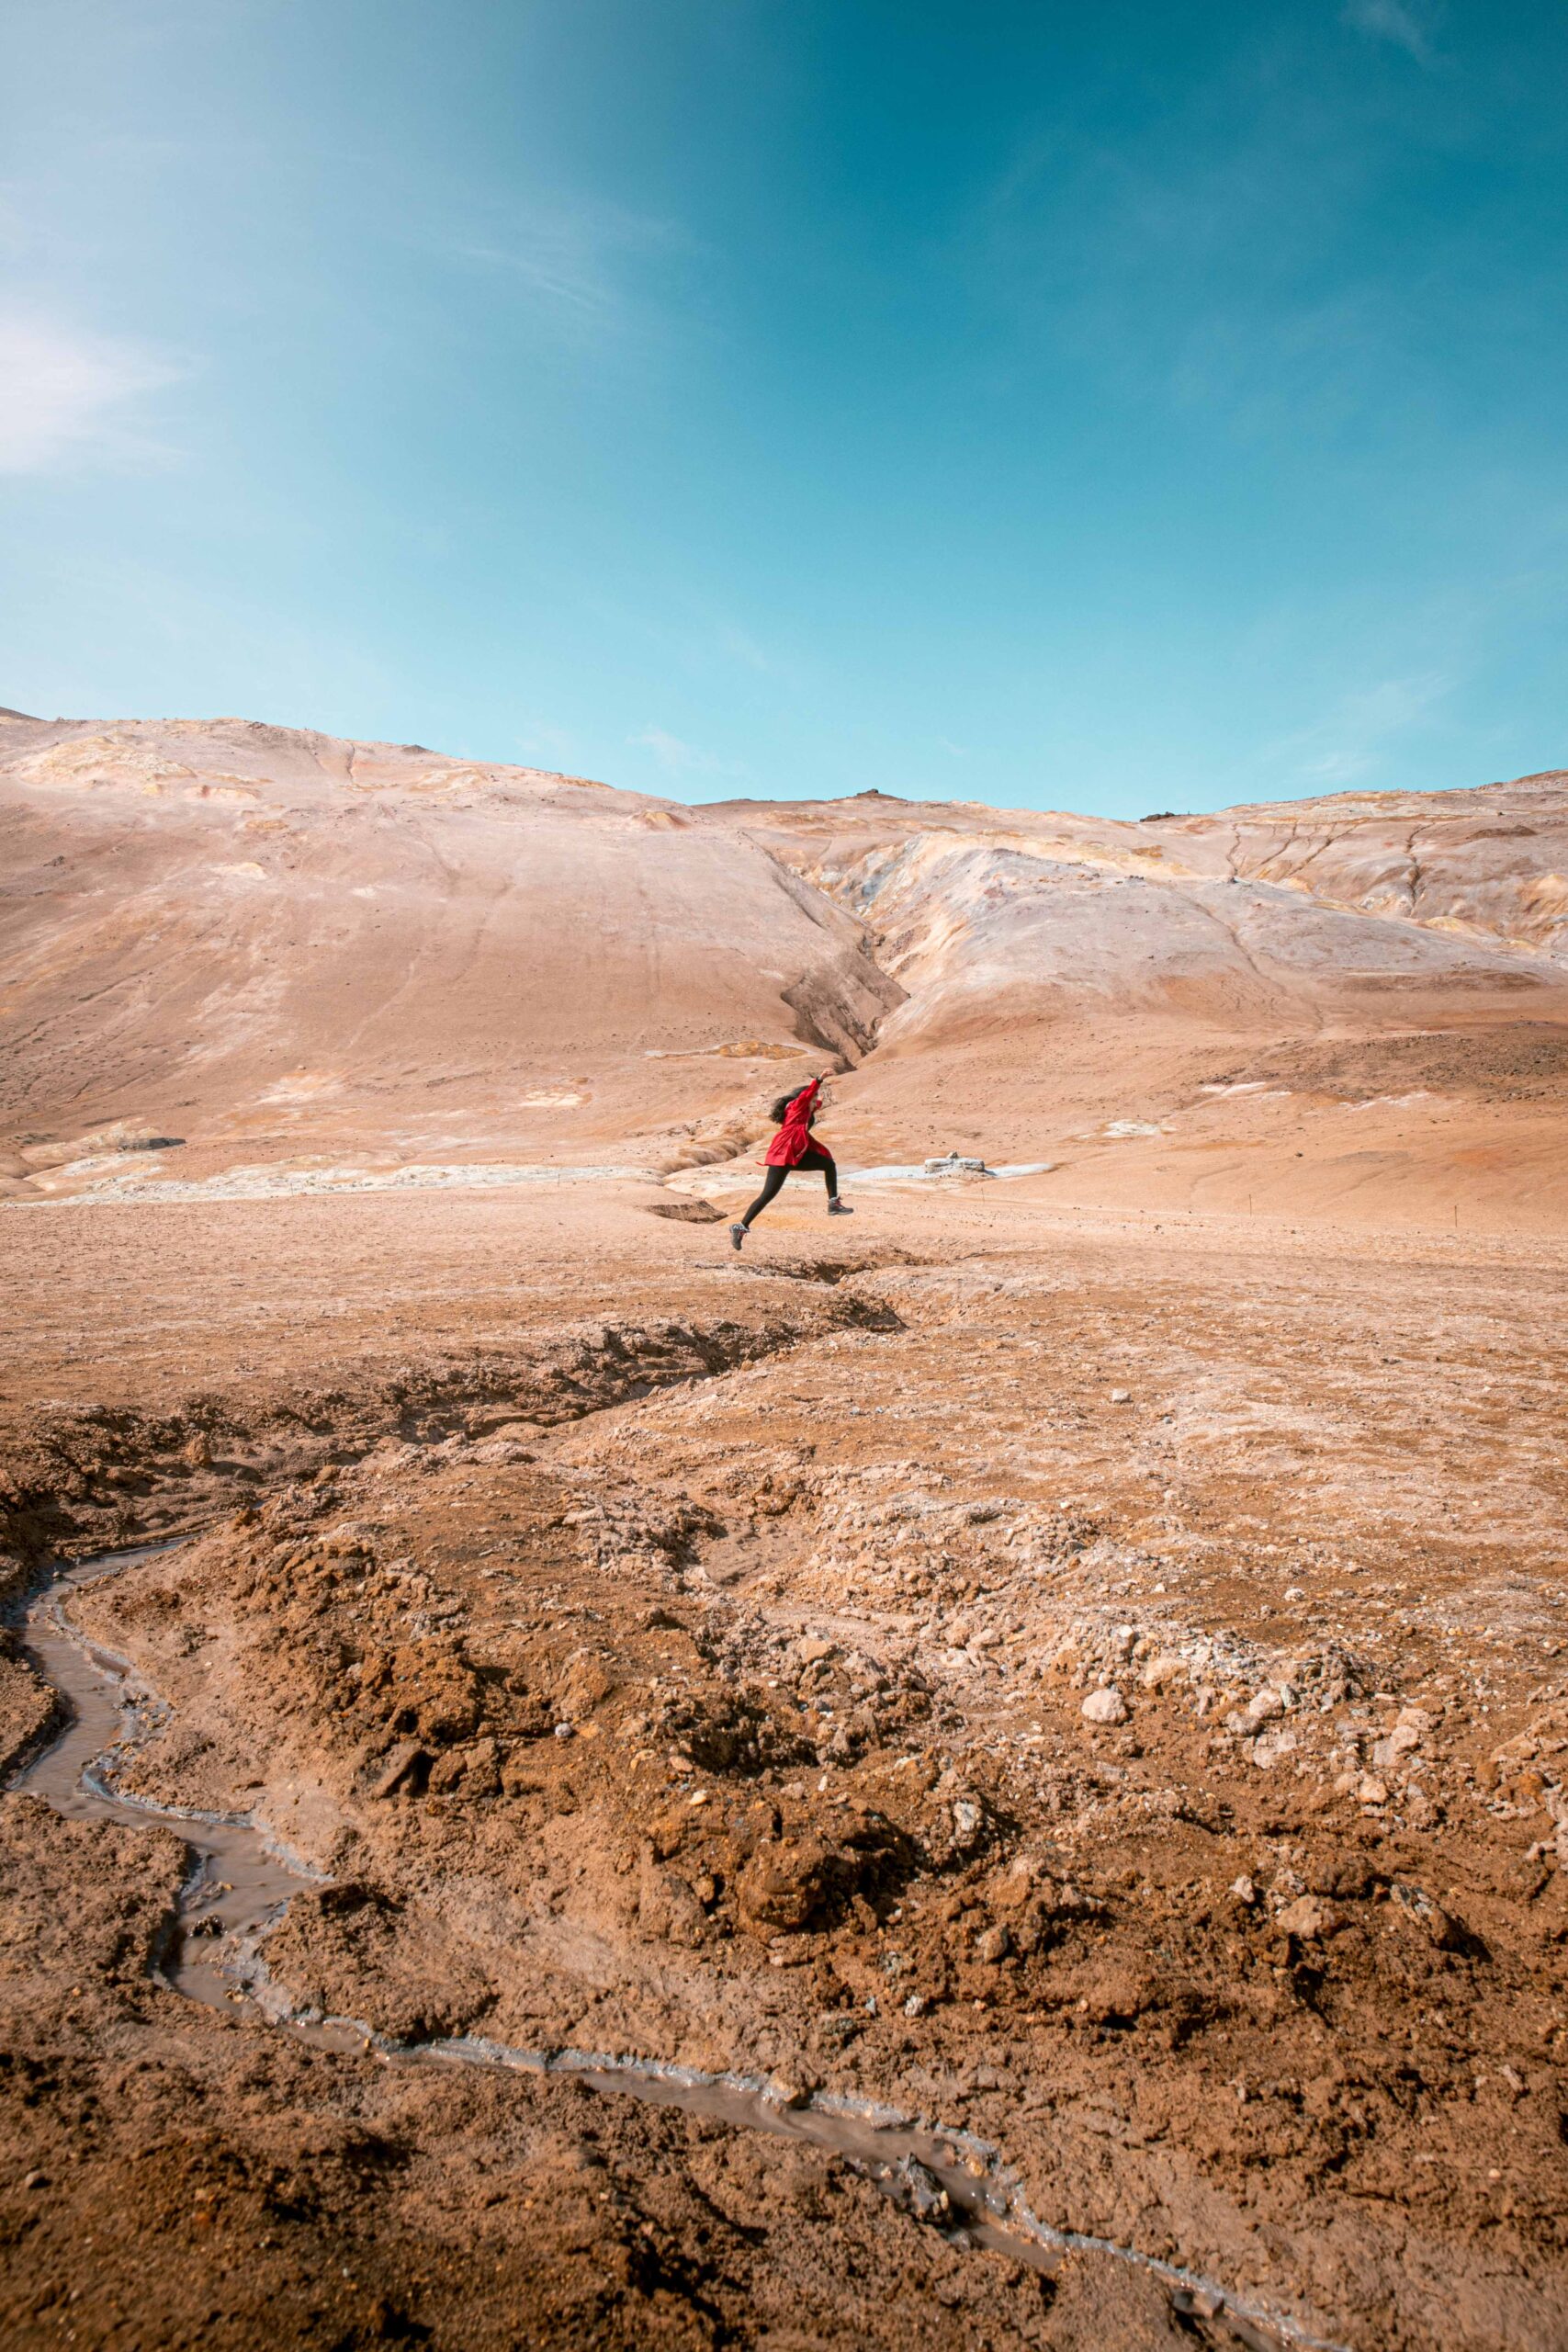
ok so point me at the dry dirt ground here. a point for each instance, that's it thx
(1099, 1682)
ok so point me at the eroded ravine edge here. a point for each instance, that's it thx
(941, 2176)
(90, 1477)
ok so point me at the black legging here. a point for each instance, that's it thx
(812, 1157)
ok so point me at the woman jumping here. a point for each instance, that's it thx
(793, 1148)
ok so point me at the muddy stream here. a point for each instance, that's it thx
(241, 1880)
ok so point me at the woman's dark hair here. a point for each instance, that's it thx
(780, 1110)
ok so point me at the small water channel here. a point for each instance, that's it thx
(239, 1881)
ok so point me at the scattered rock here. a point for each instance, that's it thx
(500, 1450)
(1159, 1671)
(1414, 1904)
(668, 1906)
(1105, 1706)
(919, 2192)
(785, 1883)
(1014, 1888)
(1199, 2302)
(967, 1822)
(474, 1771)
(402, 1772)
(787, 2091)
(1399, 1742)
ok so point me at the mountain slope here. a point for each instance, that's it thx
(279, 945)
(247, 934)
(1056, 968)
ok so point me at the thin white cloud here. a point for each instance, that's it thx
(1389, 21)
(543, 740)
(63, 393)
(677, 758)
(1347, 744)
(583, 267)
(552, 263)
(743, 649)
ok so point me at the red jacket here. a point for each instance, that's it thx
(793, 1141)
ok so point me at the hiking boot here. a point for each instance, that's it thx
(835, 1208)
(736, 1236)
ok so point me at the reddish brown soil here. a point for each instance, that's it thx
(820, 1557)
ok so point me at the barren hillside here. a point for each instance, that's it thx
(292, 952)
(263, 941)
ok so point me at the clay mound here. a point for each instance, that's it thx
(249, 935)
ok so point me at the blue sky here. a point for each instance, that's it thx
(1118, 408)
